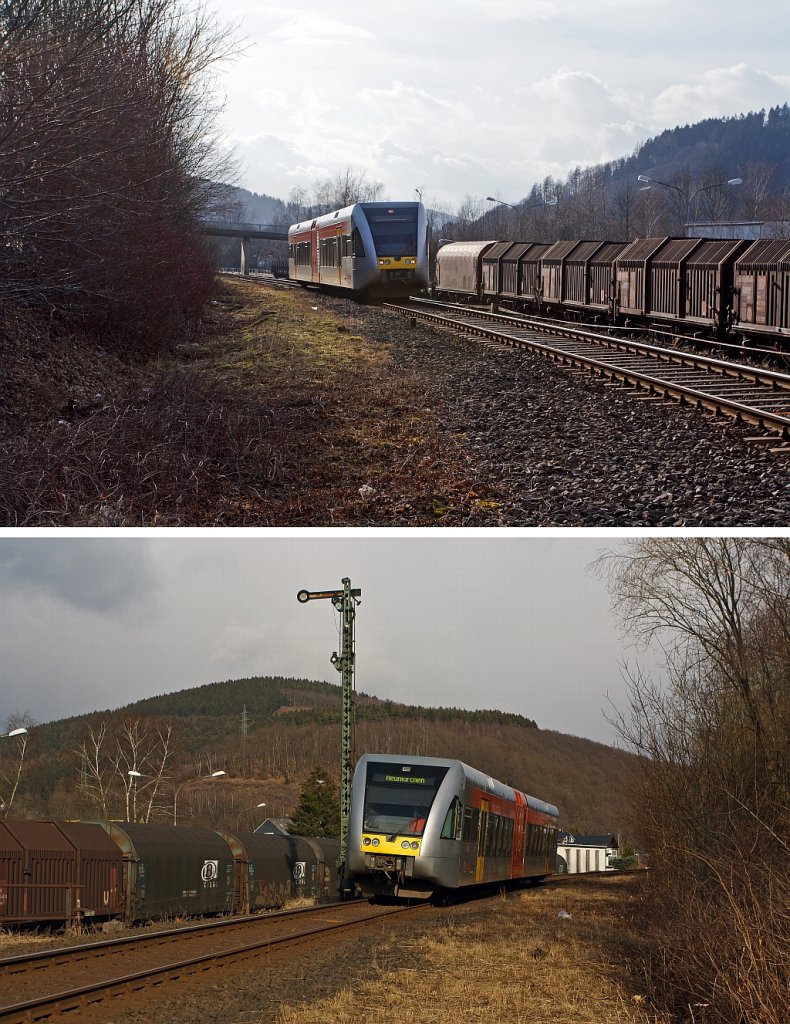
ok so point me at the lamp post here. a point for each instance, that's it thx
(521, 209)
(134, 775)
(246, 810)
(688, 199)
(19, 732)
(533, 206)
(200, 778)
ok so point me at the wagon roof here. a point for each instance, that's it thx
(464, 248)
(497, 250)
(715, 251)
(641, 249)
(516, 251)
(676, 249)
(766, 250)
(535, 251)
(610, 251)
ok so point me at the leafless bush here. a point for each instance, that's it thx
(712, 793)
(180, 452)
(106, 158)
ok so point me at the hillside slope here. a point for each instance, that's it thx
(268, 734)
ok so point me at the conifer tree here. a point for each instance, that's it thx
(318, 810)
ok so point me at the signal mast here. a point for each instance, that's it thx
(344, 602)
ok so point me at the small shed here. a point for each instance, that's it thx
(579, 854)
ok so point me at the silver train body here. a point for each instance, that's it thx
(374, 249)
(420, 825)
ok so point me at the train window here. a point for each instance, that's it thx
(357, 245)
(471, 816)
(398, 799)
(454, 813)
(394, 230)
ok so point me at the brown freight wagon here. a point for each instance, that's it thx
(492, 269)
(762, 287)
(667, 278)
(529, 276)
(45, 885)
(632, 273)
(565, 272)
(709, 282)
(603, 281)
(99, 869)
(11, 875)
(509, 270)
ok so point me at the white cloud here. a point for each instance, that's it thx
(470, 96)
(718, 93)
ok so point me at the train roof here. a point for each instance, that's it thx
(473, 774)
(325, 219)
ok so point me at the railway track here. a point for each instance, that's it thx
(74, 980)
(752, 395)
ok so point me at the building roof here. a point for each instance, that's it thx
(571, 839)
(273, 826)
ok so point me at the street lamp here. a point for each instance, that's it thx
(245, 811)
(688, 199)
(15, 732)
(200, 778)
(533, 206)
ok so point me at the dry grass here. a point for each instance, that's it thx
(278, 415)
(517, 963)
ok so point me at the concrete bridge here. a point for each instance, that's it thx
(245, 232)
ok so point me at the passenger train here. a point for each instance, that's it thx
(421, 826)
(369, 249)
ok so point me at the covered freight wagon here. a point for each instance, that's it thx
(459, 268)
(172, 870)
(762, 287)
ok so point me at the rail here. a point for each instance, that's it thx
(751, 394)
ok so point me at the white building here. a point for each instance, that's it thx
(577, 854)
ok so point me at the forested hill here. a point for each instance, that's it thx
(731, 143)
(267, 734)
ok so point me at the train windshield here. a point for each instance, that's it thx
(399, 797)
(394, 230)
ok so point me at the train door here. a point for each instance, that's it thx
(338, 243)
(316, 256)
(481, 840)
(517, 864)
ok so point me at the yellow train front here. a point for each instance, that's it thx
(367, 249)
(422, 825)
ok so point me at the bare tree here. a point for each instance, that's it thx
(11, 777)
(96, 771)
(350, 185)
(131, 758)
(106, 160)
(713, 737)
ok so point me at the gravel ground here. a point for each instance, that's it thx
(561, 448)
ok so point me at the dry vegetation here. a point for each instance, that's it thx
(713, 782)
(275, 414)
(517, 963)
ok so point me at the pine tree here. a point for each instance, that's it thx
(318, 811)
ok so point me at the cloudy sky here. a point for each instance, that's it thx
(484, 97)
(513, 623)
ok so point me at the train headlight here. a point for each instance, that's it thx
(375, 842)
(366, 841)
(386, 263)
(414, 844)
(405, 844)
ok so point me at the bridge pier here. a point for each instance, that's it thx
(245, 257)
